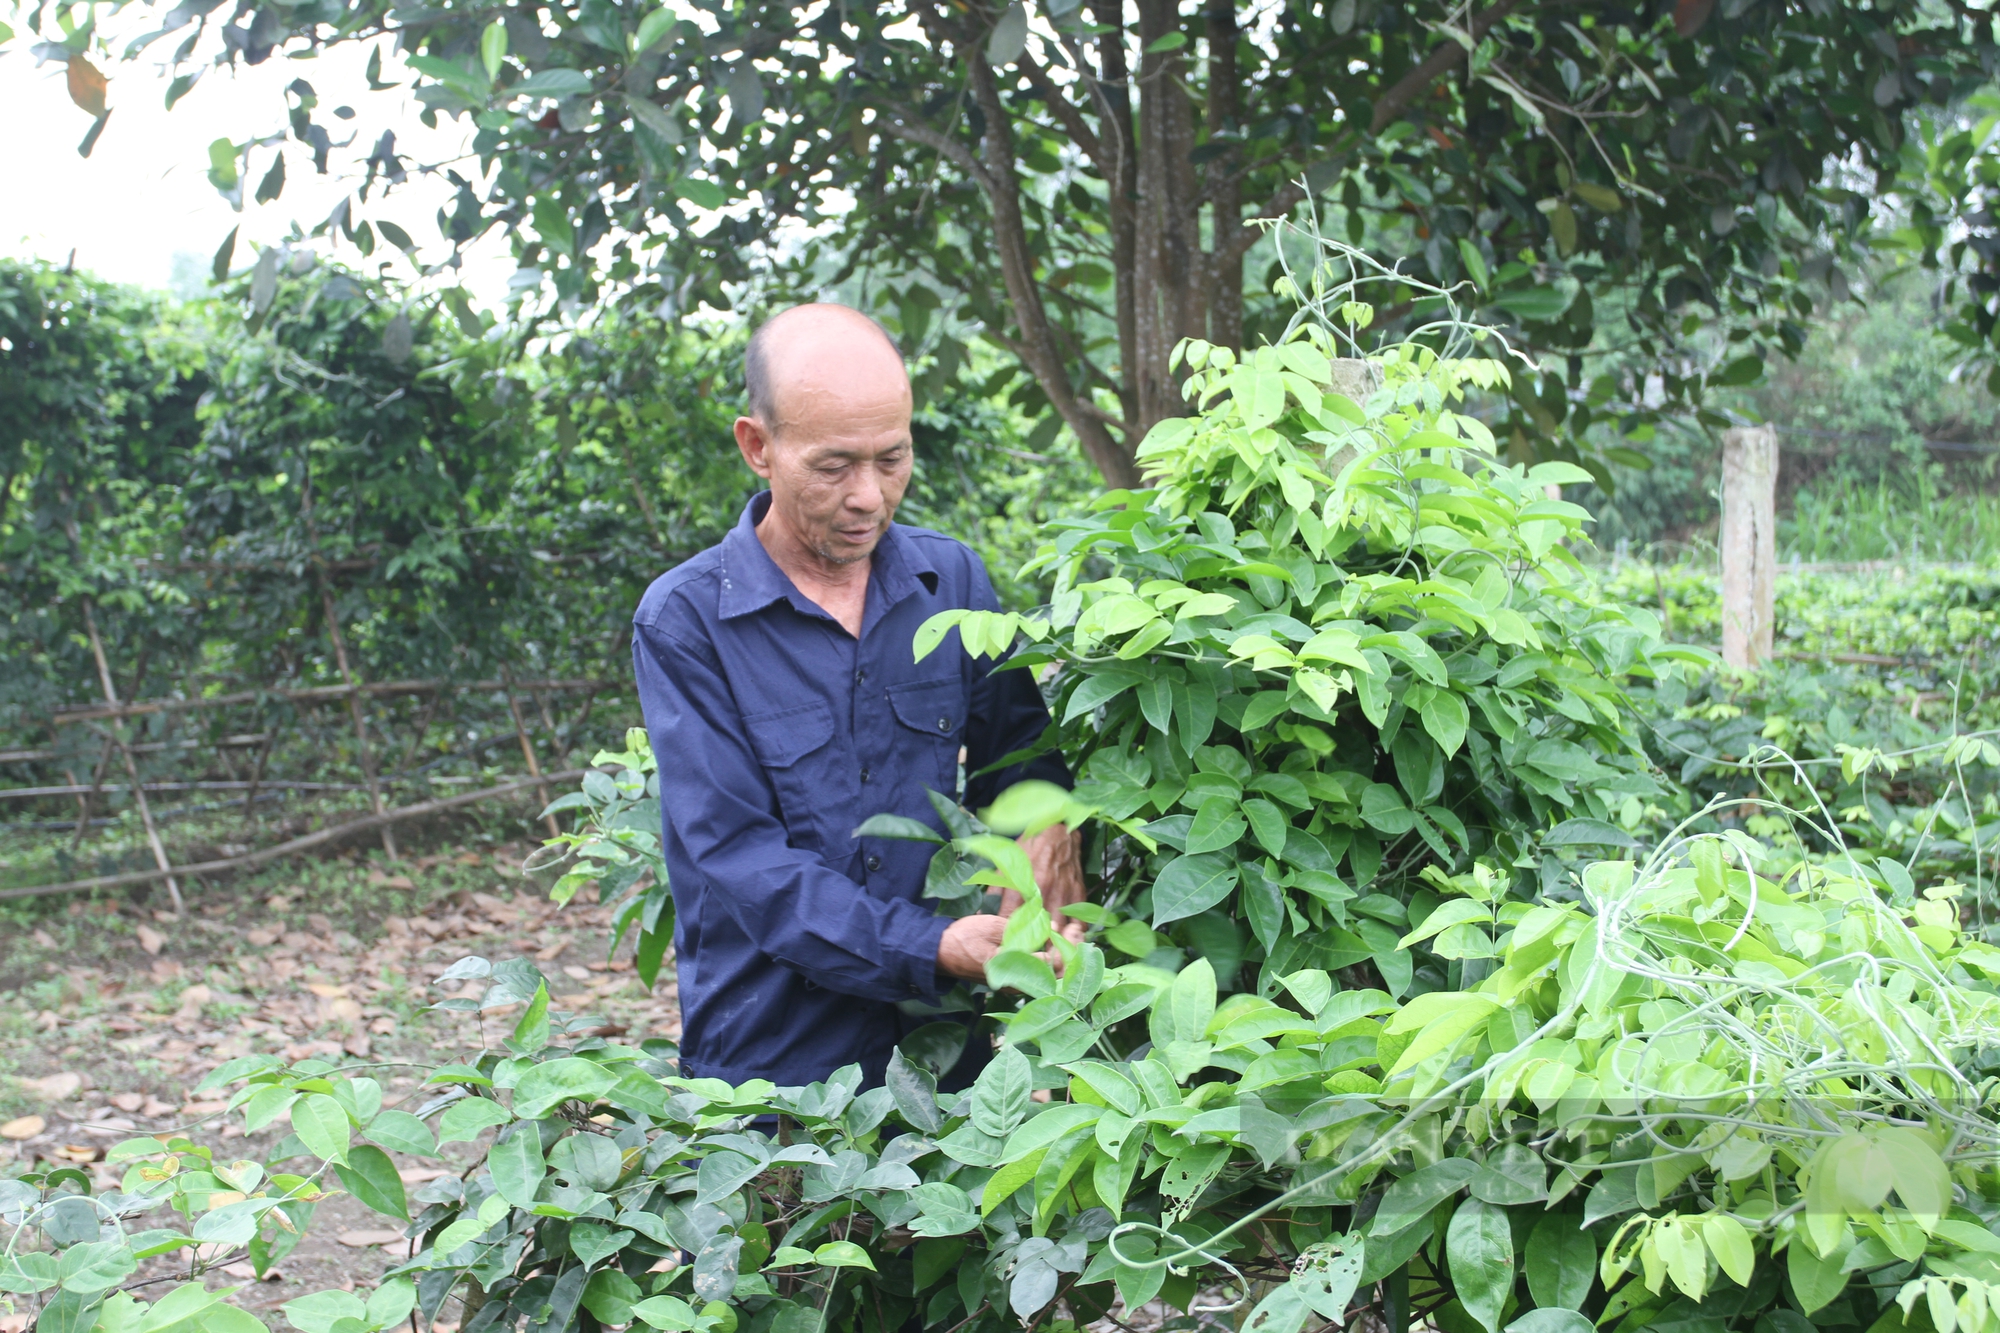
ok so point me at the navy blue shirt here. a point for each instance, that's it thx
(799, 947)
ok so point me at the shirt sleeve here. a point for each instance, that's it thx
(1007, 714)
(792, 906)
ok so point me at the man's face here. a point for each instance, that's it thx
(837, 458)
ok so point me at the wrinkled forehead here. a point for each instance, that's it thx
(841, 391)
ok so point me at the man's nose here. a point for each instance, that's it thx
(866, 494)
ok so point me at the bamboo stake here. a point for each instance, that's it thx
(301, 844)
(528, 753)
(256, 777)
(317, 694)
(131, 767)
(354, 711)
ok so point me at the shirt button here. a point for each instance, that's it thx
(874, 863)
(864, 775)
(944, 724)
(860, 675)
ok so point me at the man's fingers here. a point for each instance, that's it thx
(1009, 900)
(1073, 931)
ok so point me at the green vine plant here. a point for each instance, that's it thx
(1695, 1093)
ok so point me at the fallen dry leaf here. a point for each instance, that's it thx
(361, 1240)
(417, 1175)
(43, 938)
(18, 1322)
(248, 1272)
(326, 992)
(54, 1088)
(78, 1152)
(25, 1128)
(155, 1108)
(128, 1101)
(261, 937)
(204, 1108)
(152, 941)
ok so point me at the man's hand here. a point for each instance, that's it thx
(1052, 854)
(970, 941)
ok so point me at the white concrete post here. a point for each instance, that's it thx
(1749, 543)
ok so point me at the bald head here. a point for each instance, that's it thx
(829, 427)
(812, 351)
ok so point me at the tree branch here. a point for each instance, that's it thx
(1448, 53)
(1067, 112)
(903, 124)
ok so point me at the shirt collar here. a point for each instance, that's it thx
(751, 580)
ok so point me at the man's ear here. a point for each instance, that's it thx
(753, 440)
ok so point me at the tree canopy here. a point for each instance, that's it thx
(1079, 183)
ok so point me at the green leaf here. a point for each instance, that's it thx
(1561, 1262)
(463, 1120)
(371, 1177)
(1730, 1244)
(665, 1312)
(1413, 1197)
(531, 1034)
(319, 1312)
(897, 826)
(1183, 1013)
(493, 47)
(1000, 1094)
(843, 1254)
(1191, 885)
(1475, 263)
(550, 1084)
(553, 83)
(95, 1266)
(1017, 969)
(1439, 1020)
(1445, 717)
(610, 1295)
(652, 29)
(403, 1132)
(915, 1090)
(390, 1304)
(1268, 824)
(1479, 1246)
(1588, 832)
(322, 1126)
(1815, 1280)
(1554, 1319)
(517, 1166)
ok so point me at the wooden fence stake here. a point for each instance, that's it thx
(1749, 543)
(131, 768)
(528, 752)
(354, 711)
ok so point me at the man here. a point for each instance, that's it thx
(785, 708)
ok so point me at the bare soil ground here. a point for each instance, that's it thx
(113, 1011)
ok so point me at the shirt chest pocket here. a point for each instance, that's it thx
(795, 746)
(935, 711)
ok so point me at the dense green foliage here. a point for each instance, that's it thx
(207, 482)
(1337, 653)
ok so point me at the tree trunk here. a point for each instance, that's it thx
(1168, 267)
(1225, 266)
